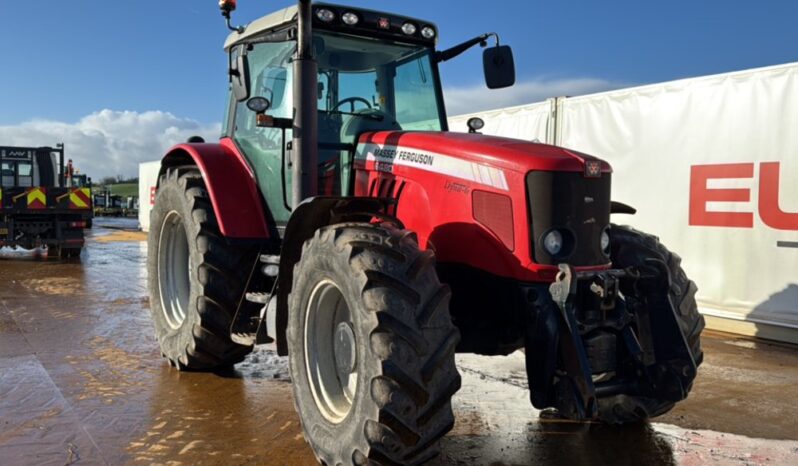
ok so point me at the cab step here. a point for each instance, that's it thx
(244, 330)
(271, 267)
(258, 298)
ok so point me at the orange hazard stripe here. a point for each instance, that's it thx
(37, 198)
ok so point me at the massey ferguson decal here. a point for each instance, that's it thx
(385, 158)
(701, 194)
(403, 156)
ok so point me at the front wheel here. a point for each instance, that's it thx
(632, 248)
(371, 347)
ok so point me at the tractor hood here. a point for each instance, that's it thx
(497, 152)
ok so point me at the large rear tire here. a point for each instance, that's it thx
(371, 347)
(195, 277)
(632, 248)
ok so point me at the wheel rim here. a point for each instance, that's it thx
(330, 351)
(173, 270)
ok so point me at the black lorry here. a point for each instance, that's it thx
(42, 203)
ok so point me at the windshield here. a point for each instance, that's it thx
(362, 78)
(363, 84)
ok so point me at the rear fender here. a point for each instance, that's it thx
(311, 215)
(231, 186)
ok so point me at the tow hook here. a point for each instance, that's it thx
(575, 367)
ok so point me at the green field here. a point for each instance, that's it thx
(124, 190)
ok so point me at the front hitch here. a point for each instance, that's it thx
(576, 334)
(575, 374)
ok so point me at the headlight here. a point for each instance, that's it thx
(552, 242)
(605, 241)
(409, 29)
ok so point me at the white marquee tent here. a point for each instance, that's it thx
(711, 164)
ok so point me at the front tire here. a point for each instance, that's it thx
(632, 248)
(371, 347)
(195, 277)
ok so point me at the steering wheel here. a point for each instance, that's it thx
(351, 101)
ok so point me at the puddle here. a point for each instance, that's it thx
(91, 387)
(122, 237)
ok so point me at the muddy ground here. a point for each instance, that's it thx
(82, 382)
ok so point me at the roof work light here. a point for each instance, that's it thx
(325, 15)
(428, 32)
(350, 18)
(409, 28)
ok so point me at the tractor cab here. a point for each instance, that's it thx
(375, 72)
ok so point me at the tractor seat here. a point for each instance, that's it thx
(366, 122)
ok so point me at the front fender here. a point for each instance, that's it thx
(231, 185)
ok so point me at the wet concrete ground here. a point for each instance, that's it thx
(82, 382)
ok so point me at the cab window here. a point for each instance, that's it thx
(7, 172)
(25, 174)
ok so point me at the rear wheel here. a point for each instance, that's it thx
(632, 248)
(54, 252)
(195, 277)
(61, 252)
(70, 253)
(371, 347)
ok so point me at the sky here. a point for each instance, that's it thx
(120, 81)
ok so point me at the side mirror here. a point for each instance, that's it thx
(239, 76)
(499, 67)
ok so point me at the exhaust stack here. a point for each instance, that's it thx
(305, 142)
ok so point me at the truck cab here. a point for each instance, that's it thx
(29, 167)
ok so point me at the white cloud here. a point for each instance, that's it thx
(110, 143)
(463, 100)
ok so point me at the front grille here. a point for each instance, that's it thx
(573, 203)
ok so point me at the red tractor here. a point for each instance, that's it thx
(339, 218)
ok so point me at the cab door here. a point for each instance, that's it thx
(271, 76)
